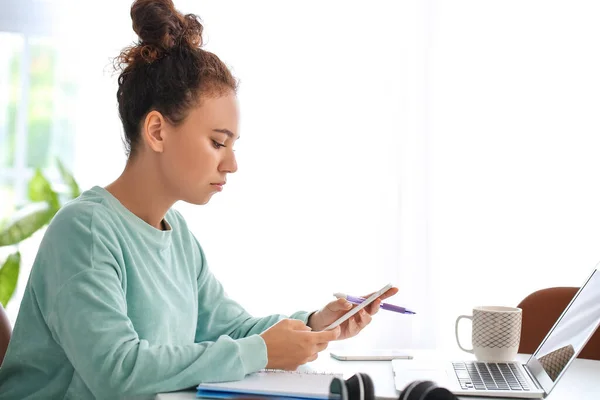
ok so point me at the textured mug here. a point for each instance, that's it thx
(496, 333)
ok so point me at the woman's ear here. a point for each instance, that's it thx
(153, 131)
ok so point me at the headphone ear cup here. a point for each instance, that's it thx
(440, 393)
(369, 387)
(360, 387)
(407, 389)
(338, 387)
(355, 388)
(426, 390)
(417, 390)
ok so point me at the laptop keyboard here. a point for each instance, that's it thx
(490, 376)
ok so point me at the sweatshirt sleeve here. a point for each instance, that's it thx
(220, 315)
(88, 319)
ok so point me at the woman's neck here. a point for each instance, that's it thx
(141, 191)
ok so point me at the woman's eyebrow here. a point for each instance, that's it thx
(227, 132)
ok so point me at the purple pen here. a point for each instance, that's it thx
(384, 306)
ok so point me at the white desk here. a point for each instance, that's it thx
(580, 382)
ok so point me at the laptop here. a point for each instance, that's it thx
(534, 379)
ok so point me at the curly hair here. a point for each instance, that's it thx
(166, 70)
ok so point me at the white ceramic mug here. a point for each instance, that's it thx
(496, 333)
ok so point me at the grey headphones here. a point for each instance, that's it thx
(357, 387)
(426, 390)
(360, 387)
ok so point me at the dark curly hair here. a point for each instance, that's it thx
(166, 70)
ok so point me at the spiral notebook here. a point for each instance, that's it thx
(299, 384)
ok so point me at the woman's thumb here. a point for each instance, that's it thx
(298, 325)
(340, 305)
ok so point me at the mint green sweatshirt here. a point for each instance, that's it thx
(115, 308)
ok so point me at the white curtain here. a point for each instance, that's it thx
(514, 90)
(446, 147)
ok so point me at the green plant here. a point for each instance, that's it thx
(44, 204)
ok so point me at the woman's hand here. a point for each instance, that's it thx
(352, 326)
(290, 344)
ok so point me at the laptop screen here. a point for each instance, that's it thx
(568, 336)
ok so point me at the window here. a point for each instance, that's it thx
(35, 127)
(38, 93)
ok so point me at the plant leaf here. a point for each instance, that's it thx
(9, 275)
(38, 186)
(39, 189)
(68, 179)
(21, 228)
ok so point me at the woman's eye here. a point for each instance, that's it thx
(217, 144)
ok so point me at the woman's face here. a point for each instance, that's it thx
(198, 154)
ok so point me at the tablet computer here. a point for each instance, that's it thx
(359, 307)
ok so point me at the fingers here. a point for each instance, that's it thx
(317, 349)
(297, 325)
(324, 336)
(364, 319)
(353, 327)
(339, 305)
(321, 346)
(373, 308)
(390, 292)
(358, 322)
(332, 334)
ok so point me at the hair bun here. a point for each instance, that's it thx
(161, 27)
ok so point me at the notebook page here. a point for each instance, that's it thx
(301, 383)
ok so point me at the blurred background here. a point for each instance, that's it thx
(450, 148)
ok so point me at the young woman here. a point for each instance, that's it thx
(120, 301)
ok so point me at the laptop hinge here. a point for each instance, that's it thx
(532, 378)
